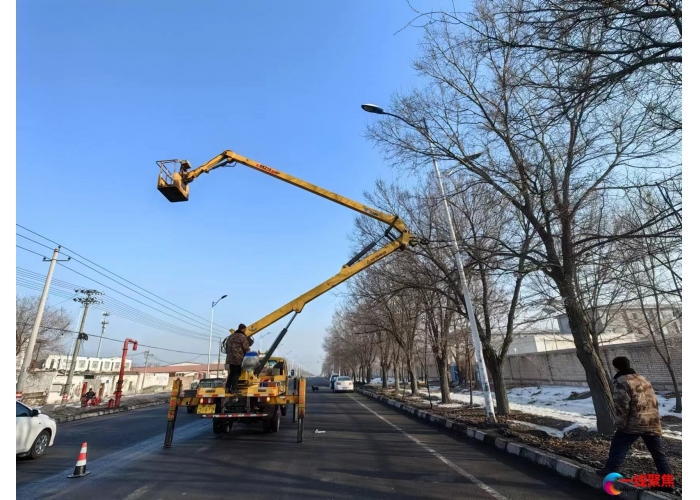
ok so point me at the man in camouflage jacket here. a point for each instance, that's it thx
(636, 415)
(237, 345)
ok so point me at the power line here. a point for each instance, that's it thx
(128, 288)
(119, 308)
(31, 251)
(125, 295)
(121, 278)
(65, 330)
(34, 241)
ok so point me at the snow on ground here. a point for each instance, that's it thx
(550, 401)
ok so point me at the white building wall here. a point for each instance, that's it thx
(96, 365)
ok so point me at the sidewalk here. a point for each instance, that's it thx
(73, 411)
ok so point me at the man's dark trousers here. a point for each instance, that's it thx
(234, 373)
(620, 446)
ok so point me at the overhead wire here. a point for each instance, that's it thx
(110, 304)
(34, 241)
(121, 278)
(30, 251)
(66, 330)
(125, 295)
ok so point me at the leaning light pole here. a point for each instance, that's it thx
(211, 331)
(481, 367)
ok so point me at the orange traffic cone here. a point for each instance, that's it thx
(81, 463)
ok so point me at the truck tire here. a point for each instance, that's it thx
(217, 426)
(275, 420)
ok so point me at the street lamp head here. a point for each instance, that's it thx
(372, 108)
(223, 297)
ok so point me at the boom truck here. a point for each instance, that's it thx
(263, 391)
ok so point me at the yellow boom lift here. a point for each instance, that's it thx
(263, 392)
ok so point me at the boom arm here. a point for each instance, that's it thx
(175, 187)
(185, 176)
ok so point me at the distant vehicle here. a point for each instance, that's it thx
(343, 384)
(34, 431)
(332, 380)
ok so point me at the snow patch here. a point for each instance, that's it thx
(550, 401)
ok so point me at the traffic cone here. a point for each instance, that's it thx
(81, 463)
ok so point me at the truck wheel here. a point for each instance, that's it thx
(275, 421)
(217, 426)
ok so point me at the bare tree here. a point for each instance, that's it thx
(439, 314)
(396, 310)
(53, 325)
(652, 271)
(545, 152)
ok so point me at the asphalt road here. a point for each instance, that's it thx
(365, 451)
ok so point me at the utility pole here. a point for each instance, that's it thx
(29, 351)
(104, 324)
(145, 369)
(87, 301)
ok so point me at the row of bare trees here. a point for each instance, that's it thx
(574, 204)
(54, 324)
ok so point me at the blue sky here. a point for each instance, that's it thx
(104, 89)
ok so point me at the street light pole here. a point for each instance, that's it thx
(490, 414)
(211, 331)
(261, 339)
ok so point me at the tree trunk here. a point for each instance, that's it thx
(369, 374)
(385, 382)
(444, 378)
(676, 389)
(469, 374)
(495, 367)
(595, 372)
(396, 377)
(412, 376)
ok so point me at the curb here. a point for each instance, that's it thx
(564, 467)
(71, 418)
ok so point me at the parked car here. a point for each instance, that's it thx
(332, 380)
(343, 384)
(34, 431)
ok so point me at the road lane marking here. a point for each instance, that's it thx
(447, 462)
(138, 493)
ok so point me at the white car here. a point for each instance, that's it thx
(343, 384)
(35, 431)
